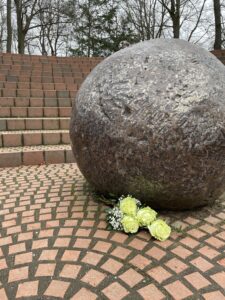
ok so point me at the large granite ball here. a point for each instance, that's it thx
(150, 121)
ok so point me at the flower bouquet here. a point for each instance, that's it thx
(129, 215)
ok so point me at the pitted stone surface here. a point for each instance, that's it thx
(150, 121)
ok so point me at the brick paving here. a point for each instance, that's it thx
(54, 245)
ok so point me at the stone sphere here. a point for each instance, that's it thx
(149, 121)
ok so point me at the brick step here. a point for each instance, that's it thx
(32, 112)
(38, 86)
(45, 79)
(35, 155)
(34, 138)
(35, 102)
(9, 58)
(70, 63)
(47, 68)
(15, 124)
(30, 59)
(34, 73)
(37, 93)
(36, 98)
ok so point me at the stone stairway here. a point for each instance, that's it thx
(36, 96)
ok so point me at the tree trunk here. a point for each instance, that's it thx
(176, 18)
(21, 42)
(174, 12)
(176, 27)
(9, 26)
(20, 33)
(218, 26)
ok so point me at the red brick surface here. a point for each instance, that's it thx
(36, 94)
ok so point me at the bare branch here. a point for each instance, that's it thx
(198, 20)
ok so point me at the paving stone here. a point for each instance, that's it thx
(208, 252)
(159, 274)
(24, 258)
(102, 246)
(178, 290)
(18, 274)
(62, 242)
(156, 253)
(176, 265)
(181, 252)
(131, 277)
(46, 269)
(57, 288)
(27, 289)
(121, 252)
(214, 296)
(115, 291)
(3, 295)
(82, 243)
(84, 294)
(70, 255)
(140, 261)
(112, 266)
(92, 258)
(70, 271)
(197, 280)
(152, 290)
(93, 277)
(3, 264)
(48, 255)
(219, 278)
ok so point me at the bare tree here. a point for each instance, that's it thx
(9, 26)
(185, 16)
(95, 27)
(26, 12)
(218, 25)
(2, 26)
(174, 9)
(54, 29)
(42, 34)
(147, 16)
(197, 13)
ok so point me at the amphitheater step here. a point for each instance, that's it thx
(16, 124)
(36, 85)
(70, 64)
(33, 138)
(39, 67)
(43, 73)
(37, 93)
(36, 98)
(35, 155)
(69, 79)
(35, 102)
(32, 112)
(31, 67)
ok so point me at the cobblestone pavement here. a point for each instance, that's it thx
(54, 245)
